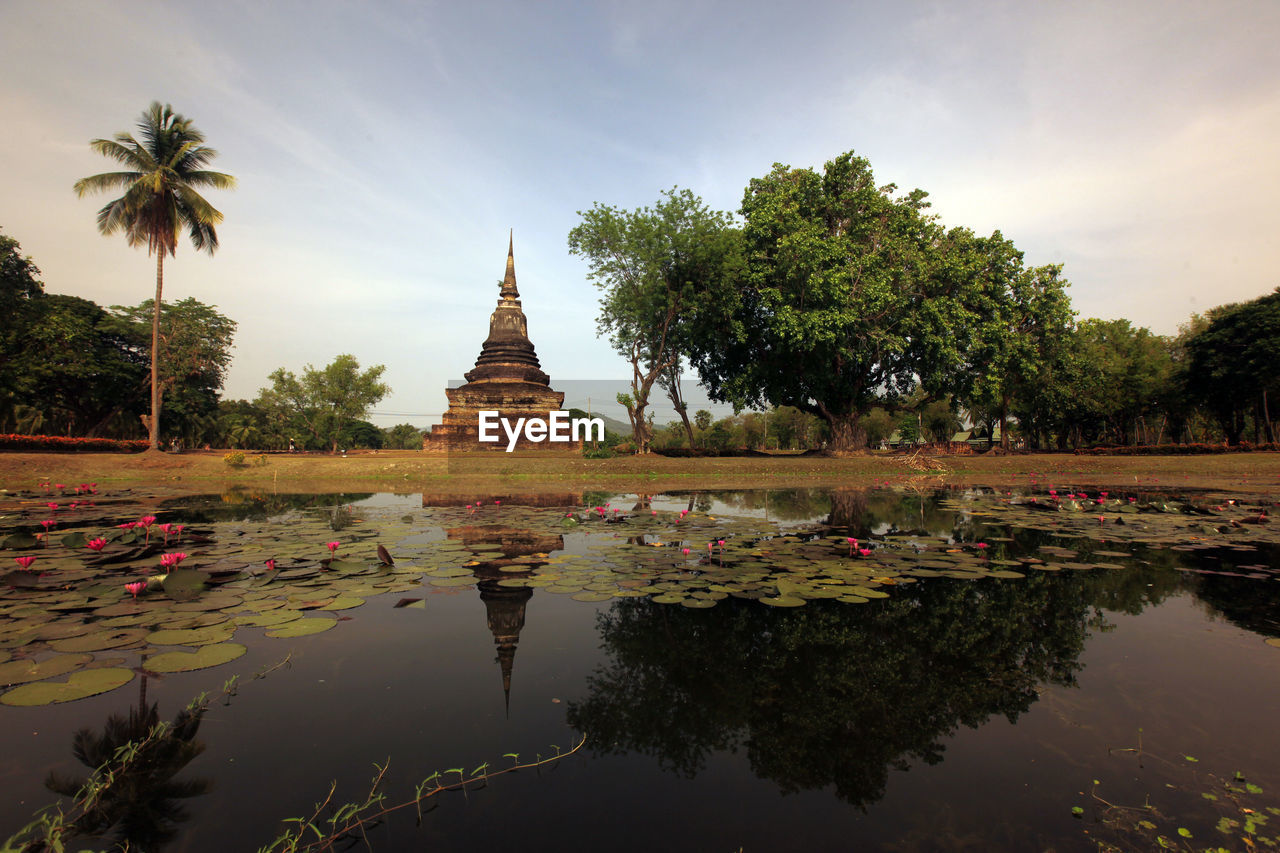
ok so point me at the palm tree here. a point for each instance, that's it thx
(159, 200)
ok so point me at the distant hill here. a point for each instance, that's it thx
(610, 424)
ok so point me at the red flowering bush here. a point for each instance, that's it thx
(63, 444)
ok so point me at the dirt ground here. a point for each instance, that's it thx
(411, 471)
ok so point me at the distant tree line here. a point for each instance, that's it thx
(69, 366)
(843, 299)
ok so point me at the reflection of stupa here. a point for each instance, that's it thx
(507, 378)
(505, 605)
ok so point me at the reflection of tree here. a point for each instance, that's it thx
(829, 694)
(139, 808)
(241, 505)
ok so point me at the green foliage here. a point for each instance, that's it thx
(322, 402)
(234, 459)
(839, 306)
(360, 434)
(402, 437)
(654, 267)
(1232, 363)
(160, 181)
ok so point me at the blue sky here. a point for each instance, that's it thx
(383, 150)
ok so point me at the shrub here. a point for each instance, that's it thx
(235, 459)
(1177, 449)
(260, 461)
(63, 444)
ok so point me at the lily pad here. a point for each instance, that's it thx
(23, 671)
(99, 640)
(202, 658)
(302, 627)
(190, 636)
(86, 682)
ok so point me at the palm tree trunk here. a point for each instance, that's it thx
(155, 355)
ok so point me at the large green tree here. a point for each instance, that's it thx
(1233, 366)
(840, 307)
(195, 343)
(1019, 320)
(163, 169)
(20, 288)
(322, 402)
(654, 267)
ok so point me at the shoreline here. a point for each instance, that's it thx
(202, 472)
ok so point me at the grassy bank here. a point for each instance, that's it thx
(200, 472)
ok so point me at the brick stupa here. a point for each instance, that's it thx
(507, 378)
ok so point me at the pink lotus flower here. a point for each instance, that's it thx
(59, 486)
(981, 546)
(653, 512)
(497, 503)
(271, 565)
(136, 587)
(684, 551)
(96, 544)
(25, 562)
(147, 520)
(48, 523)
(866, 552)
(172, 559)
(177, 529)
(128, 525)
(52, 506)
(332, 546)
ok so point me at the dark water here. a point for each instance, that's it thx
(952, 715)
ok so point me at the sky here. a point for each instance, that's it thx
(385, 150)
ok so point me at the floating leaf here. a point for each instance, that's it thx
(302, 627)
(190, 636)
(86, 682)
(23, 671)
(99, 640)
(202, 658)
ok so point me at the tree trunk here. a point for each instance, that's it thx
(1266, 417)
(154, 426)
(847, 433)
(1004, 421)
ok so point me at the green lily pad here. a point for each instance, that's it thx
(202, 658)
(782, 601)
(19, 541)
(23, 671)
(268, 619)
(589, 595)
(183, 584)
(302, 627)
(99, 640)
(343, 602)
(190, 636)
(86, 682)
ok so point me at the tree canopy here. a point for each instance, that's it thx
(839, 302)
(654, 267)
(322, 402)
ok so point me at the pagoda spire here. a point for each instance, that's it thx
(509, 292)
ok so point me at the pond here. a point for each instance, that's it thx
(878, 669)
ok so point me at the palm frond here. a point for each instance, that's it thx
(123, 149)
(217, 180)
(104, 182)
